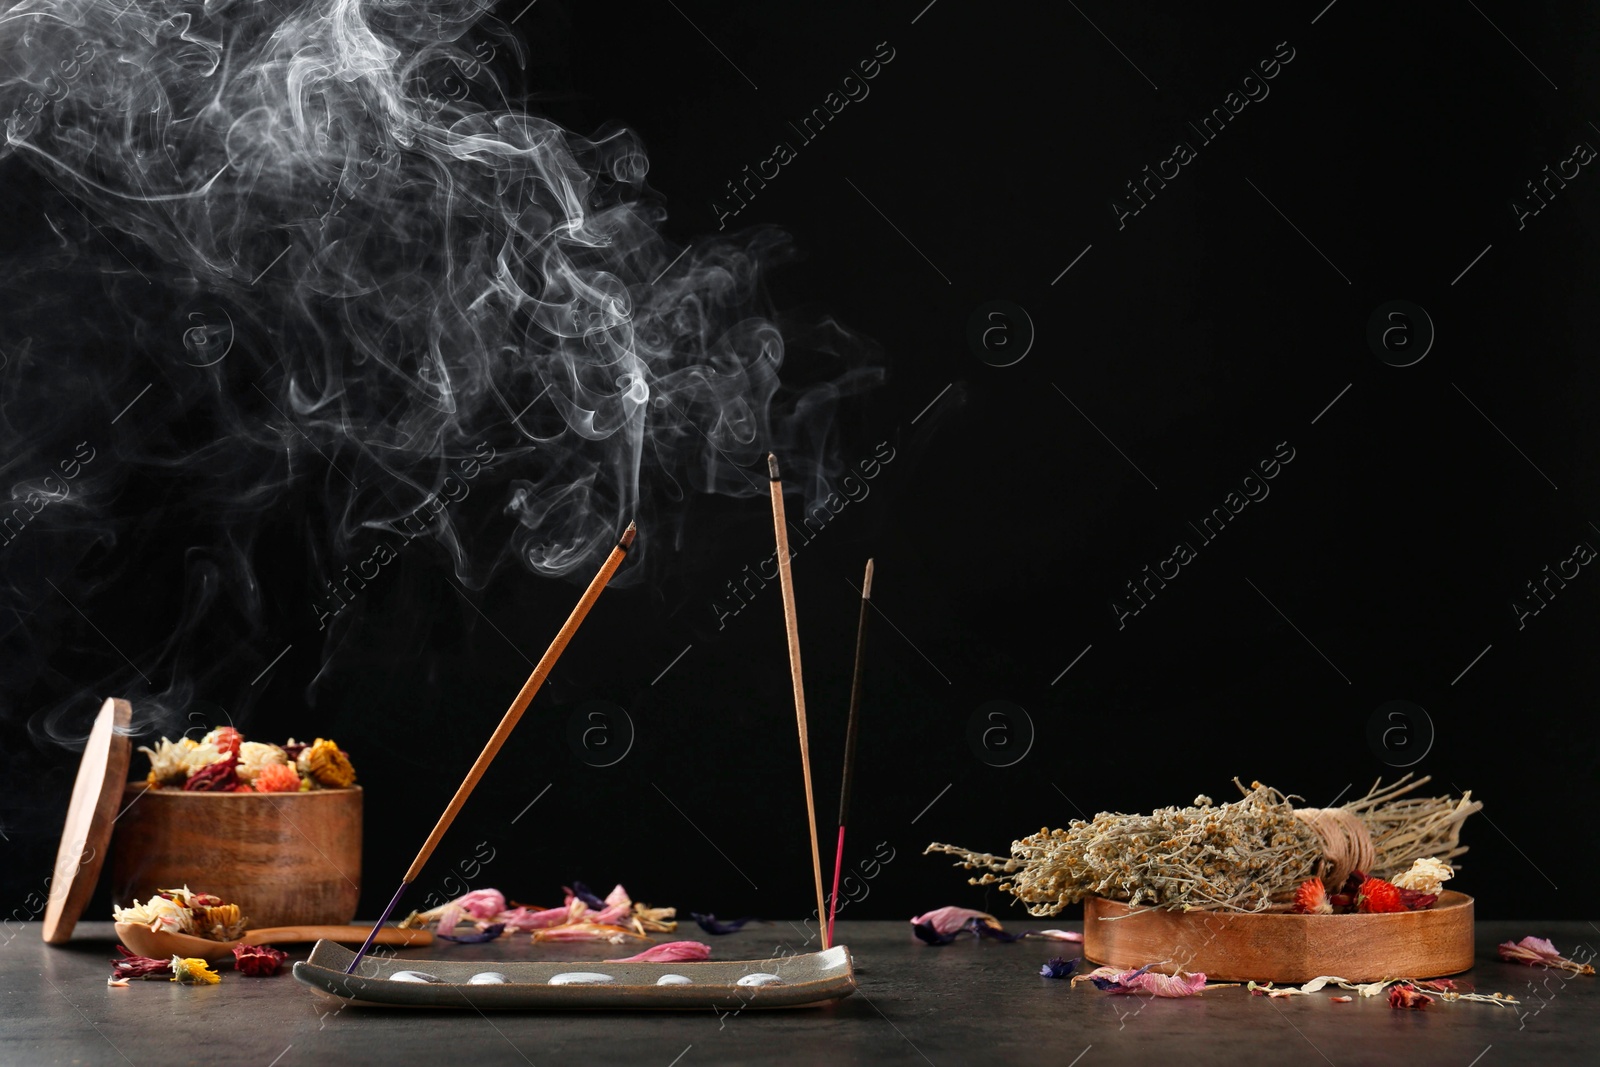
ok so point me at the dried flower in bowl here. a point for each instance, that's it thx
(1311, 898)
(257, 756)
(172, 762)
(225, 739)
(219, 777)
(1426, 875)
(275, 778)
(1377, 896)
(326, 765)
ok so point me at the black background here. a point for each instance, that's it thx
(1197, 338)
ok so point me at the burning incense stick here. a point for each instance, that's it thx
(780, 526)
(850, 744)
(540, 672)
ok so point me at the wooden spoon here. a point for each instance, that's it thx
(160, 944)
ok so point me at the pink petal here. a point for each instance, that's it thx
(671, 952)
(450, 917)
(524, 919)
(482, 903)
(612, 913)
(1167, 985)
(1530, 950)
(617, 896)
(1058, 935)
(948, 920)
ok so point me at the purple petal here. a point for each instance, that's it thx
(1058, 968)
(927, 932)
(712, 925)
(488, 933)
(995, 933)
(585, 894)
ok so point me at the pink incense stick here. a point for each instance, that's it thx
(850, 745)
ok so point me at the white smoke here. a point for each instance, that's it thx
(346, 260)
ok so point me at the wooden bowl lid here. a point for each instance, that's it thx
(102, 774)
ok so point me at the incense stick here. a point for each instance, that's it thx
(780, 527)
(850, 744)
(507, 723)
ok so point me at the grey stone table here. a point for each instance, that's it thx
(968, 1002)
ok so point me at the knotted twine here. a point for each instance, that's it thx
(1346, 843)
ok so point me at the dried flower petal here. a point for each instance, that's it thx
(585, 931)
(134, 966)
(255, 757)
(1341, 1000)
(1377, 896)
(1415, 900)
(926, 932)
(1405, 995)
(219, 777)
(1538, 952)
(482, 903)
(1425, 875)
(1311, 898)
(191, 971)
(671, 952)
(712, 925)
(1057, 935)
(525, 919)
(994, 931)
(1058, 968)
(225, 739)
(950, 919)
(277, 778)
(583, 893)
(327, 765)
(160, 913)
(1144, 980)
(258, 961)
(488, 933)
(171, 762)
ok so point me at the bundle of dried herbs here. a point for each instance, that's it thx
(1248, 855)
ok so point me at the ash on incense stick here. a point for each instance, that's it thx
(1247, 855)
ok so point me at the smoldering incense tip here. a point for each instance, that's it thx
(866, 583)
(628, 535)
(772, 466)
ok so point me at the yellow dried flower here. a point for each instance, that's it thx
(328, 765)
(193, 972)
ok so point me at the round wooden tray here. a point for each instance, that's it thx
(1279, 947)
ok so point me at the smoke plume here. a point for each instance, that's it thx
(320, 265)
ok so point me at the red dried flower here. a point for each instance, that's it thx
(258, 961)
(1311, 898)
(1405, 995)
(1377, 896)
(218, 777)
(1416, 900)
(132, 966)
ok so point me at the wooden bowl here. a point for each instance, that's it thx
(287, 859)
(1278, 947)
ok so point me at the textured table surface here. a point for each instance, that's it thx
(968, 1002)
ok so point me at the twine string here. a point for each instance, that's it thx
(1346, 843)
